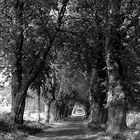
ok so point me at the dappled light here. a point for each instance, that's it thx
(69, 130)
(69, 69)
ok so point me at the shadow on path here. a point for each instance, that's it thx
(69, 130)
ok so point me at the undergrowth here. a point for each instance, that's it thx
(11, 131)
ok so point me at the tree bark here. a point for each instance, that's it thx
(39, 103)
(52, 112)
(47, 111)
(62, 111)
(116, 96)
(66, 111)
(102, 115)
(116, 118)
(18, 107)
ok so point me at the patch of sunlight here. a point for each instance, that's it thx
(59, 124)
(58, 128)
(78, 111)
(69, 138)
(133, 120)
(64, 137)
(5, 109)
(31, 116)
(81, 137)
(28, 116)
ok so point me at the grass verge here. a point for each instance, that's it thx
(11, 131)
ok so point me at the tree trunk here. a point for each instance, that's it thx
(116, 118)
(39, 103)
(58, 117)
(116, 96)
(102, 111)
(102, 115)
(62, 112)
(18, 107)
(18, 96)
(91, 116)
(47, 111)
(66, 110)
(52, 112)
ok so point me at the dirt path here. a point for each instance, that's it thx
(69, 130)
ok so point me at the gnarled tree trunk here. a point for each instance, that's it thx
(18, 106)
(116, 118)
(116, 96)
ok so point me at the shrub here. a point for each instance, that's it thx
(6, 124)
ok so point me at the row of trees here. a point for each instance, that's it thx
(44, 44)
(108, 41)
(29, 42)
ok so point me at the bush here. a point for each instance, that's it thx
(31, 127)
(11, 131)
(133, 120)
(6, 124)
